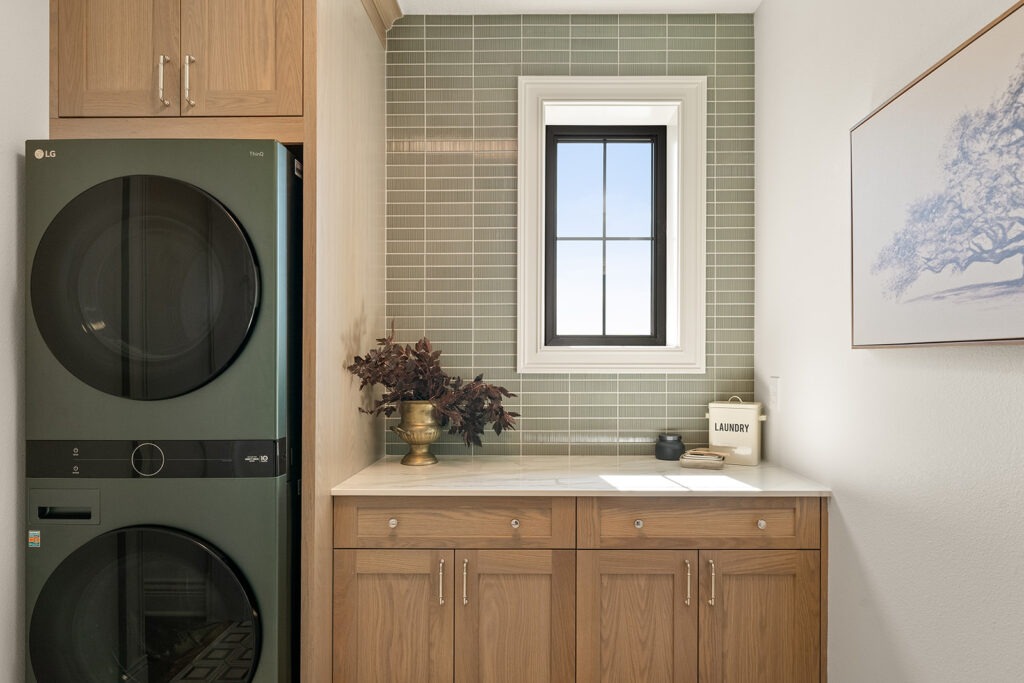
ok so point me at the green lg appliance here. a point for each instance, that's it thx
(162, 409)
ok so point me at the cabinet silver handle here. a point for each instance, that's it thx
(515, 523)
(761, 524)
(712, 600)
(465, 582)
(392, 523)
(638, 523)
(160, 81)
(189, 60)
(688, 575)
(440, 583)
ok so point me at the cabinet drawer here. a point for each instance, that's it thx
(697, 523)
(392, 522)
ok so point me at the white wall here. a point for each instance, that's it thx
(924, 448)
(24, 75)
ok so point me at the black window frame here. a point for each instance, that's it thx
(657, 136)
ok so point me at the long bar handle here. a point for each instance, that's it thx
(160, 80)
(440, 583)
(712, 600)
(688, 575)
(189, 61)
(465, 582)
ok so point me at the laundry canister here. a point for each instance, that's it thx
(734, 427)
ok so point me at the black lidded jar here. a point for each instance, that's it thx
(669, 447)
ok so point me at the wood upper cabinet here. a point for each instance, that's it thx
(223, 58)
(514, 621)
(759, 616)
(247, 57)
(109, 57)
(636, 616)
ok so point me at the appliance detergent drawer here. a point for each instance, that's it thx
(698, 523)
(63, 506)
(454, 522)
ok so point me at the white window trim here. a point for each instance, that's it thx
(679, 103)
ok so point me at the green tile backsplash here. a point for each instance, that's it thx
(451, 214)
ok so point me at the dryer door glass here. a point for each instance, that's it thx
(144, 604)
(145, 287)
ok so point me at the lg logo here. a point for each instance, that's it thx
(45, 153)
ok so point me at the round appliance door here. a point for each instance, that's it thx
(146, 605)
(145, 287)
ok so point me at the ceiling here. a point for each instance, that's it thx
(577, 6)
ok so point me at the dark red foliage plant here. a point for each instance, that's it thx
(414, 373)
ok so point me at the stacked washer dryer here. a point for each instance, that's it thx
(162, 397)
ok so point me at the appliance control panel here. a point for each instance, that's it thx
(156, 459)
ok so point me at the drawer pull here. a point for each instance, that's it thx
(465, 582)
(688, 575)
(189, 61)
(639, 523)
(761, 524)
(515, 523)
(160, 81)
(712, 600)
(440, 583)
(392, 523)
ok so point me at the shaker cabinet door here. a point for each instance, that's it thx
(113, 56)
(759, 616)
(637, 616)
(241, 57)
(514, 616)
(393, 616)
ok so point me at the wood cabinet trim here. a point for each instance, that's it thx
(285, 129)
(382, 14)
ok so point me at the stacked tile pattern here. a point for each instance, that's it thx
(451, 214)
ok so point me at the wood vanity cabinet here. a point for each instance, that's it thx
(659, 590)
(660, 600)
(505, 613)
(223, 58)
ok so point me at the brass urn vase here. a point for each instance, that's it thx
(419, 429)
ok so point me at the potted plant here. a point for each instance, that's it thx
(427, 398)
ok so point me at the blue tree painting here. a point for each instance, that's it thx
(978, 217)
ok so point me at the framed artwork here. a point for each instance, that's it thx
(938, 200)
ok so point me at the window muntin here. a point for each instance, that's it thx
(605, 236)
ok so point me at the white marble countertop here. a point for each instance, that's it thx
(464, 475)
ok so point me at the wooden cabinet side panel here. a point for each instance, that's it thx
(389, 622)
(764, 623)
(823, 597)
(634, 623)
(516, 623)
(248, 57)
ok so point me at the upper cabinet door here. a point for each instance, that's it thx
(113, 56)
(241, 57)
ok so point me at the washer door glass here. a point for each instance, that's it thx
(145, 287)
(144, 604)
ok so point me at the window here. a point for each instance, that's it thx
(604, 236)
(612, 218)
